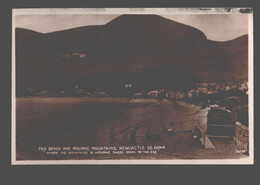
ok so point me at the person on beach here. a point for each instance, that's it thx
(170, 130)
(112, 137)
(164, 129)
(133, 136)
(149, 135)
(196, 135)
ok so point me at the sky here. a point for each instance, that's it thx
(218, 27)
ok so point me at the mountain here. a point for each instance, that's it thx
(147, 50)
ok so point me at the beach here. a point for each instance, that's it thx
(86, 122)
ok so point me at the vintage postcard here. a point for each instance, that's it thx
(132, 86)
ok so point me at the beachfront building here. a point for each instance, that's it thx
(189, 94)
(139, 95)
(175, 95)
(171, 95)
(179, 95)
(221, 122)
(153, 94)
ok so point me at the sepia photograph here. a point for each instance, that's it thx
(132, 86)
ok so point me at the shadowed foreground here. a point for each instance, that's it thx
(85, 122)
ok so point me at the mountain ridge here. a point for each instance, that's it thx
(140, 46)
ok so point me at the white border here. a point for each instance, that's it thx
(76, 11)
(13, 128)
(37, 11)
(251, 85)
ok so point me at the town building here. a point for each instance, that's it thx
(241, 138)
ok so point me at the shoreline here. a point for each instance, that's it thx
(55, 126)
